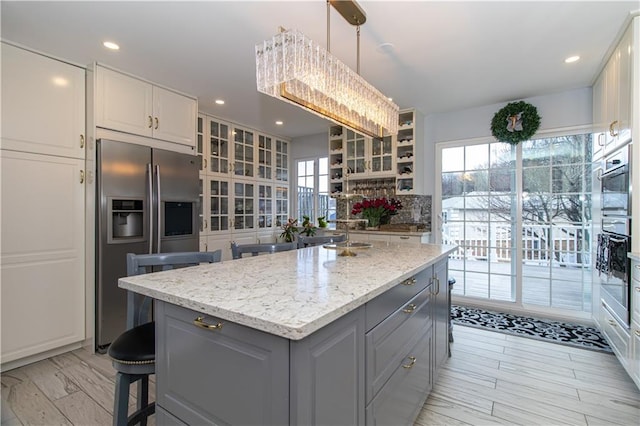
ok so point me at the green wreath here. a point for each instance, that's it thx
(516, 122)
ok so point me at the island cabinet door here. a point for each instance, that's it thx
(327, 374)
(228, 374)
(401, 398)
(441, 314)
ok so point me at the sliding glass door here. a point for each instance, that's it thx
(520, 216)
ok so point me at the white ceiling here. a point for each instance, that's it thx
(447, 56)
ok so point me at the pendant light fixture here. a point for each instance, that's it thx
(294, 68)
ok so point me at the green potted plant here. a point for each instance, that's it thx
(307, 227)
(289, 230)
(322, 223)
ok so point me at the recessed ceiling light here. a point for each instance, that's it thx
(385, 48)
(111, 45)
(60, 81)
(220, 101)
(572, 59)
(279, 123)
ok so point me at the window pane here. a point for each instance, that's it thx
(453, 159)
(477, 157)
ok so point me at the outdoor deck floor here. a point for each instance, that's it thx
(559, 287)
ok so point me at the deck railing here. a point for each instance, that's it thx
(562, 245)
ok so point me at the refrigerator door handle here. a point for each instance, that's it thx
(150, 207)
(159, 234)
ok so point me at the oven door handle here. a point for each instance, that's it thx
(617, 240)
(618, 170)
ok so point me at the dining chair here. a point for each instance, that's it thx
(237, 250)
(304, 241)
(133, 352)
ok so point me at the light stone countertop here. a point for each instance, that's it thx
(633, 255)
(293, 293)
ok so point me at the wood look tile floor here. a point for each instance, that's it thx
(491, 378)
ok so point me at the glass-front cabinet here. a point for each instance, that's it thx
(243, 152)
(381, 156)
(265, 157)
(355, 153)
(212, 145)
(282, 161)
(282, 205)
(243, 205)
(265, 206)
(244, 178)
(391, 157)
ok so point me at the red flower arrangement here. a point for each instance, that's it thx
(378, 210)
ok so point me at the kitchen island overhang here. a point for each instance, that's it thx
(289, 294)
(301, 337)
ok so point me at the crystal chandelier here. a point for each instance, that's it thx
(294, 68)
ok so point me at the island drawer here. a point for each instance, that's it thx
(388, 302)
(390, 341)
(402, 397)
(201, 371)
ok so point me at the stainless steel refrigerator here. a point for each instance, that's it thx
(147, 203)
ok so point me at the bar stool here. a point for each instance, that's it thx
(237, 250)
(133, 353)
(304, 241)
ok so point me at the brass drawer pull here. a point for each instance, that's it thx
(637, 266)
(612, 323)
(410, 281)
(637, 289)
(409, 308)
(404, 237)
(637, 332)
(612, 132)
(200, 323)
(411, 364)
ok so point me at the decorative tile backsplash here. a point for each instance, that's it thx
(416, 209)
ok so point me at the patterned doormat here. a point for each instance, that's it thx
(534, 328)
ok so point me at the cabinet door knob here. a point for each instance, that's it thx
(612, 132)
(81, 141)
(150, 121)
(410, 281)
(412, 361)
(200, 323)
(412, 307)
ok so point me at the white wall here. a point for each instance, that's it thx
(309, 146)
(558, 110)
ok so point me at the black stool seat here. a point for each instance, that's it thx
(135, 346)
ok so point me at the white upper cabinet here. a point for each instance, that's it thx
(31, 85)
(612, 97)
(130, 105)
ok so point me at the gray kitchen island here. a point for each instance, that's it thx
(300, 337)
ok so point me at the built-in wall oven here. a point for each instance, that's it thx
(614, 241)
